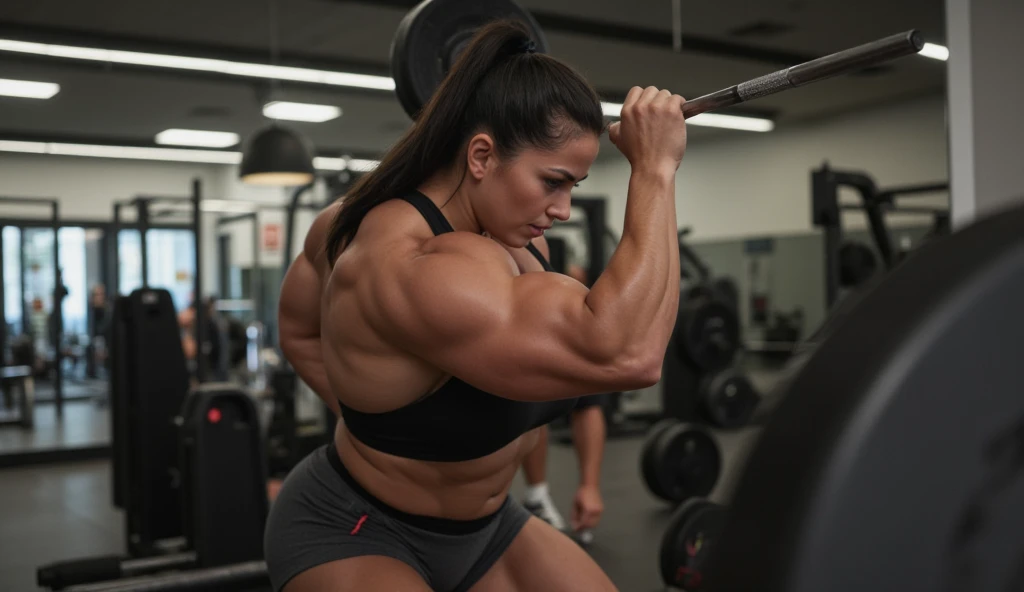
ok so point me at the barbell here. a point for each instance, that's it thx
(433, 34)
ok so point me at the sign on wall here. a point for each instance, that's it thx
(272, 237)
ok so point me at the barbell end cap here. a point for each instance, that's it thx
(916, 39)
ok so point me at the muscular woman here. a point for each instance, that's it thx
(407, 314)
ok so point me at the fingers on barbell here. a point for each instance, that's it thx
(649, 95)
(642, 97)
(613, 132)
(671, 104)
(632, 97)
(663, 99)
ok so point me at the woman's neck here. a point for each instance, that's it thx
(447, 189)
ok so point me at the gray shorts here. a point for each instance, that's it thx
(322, 514)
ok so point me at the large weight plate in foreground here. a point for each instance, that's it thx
(896, 461)
(432, 36)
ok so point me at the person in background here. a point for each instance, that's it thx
(213, 342)
(98, 319)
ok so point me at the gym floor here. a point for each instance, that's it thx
(58, 512)
(85, 423)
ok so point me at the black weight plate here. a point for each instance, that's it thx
(857, 263)
(687, 462)
(689, 539)
(648, 461)
(727, 291)
(729, 399)
(707, 333)
(697, 291)
(908, 474)
(432, 35)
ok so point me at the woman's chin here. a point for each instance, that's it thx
(522, 241)
(516, 240)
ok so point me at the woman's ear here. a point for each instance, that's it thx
(480, 155)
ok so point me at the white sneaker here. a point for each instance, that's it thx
(544, 509)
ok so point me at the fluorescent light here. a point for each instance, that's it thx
(325, 163)
(935, 52)
(322, 163)
(360, 165)
(227, 206)
(185, 137)
(611, 109)
(124, 152)
(735, 122)
(28, 147)
(200, 64)
(141, 153)
(301, 111)
(27, 89)
(748, 124)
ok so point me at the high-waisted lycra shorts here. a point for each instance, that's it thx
(322, 514)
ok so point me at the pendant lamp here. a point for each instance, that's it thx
(279, 156)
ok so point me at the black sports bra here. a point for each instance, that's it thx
(457, 422)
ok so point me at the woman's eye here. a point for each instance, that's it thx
(556, 183)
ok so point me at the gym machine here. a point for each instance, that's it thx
(27, 357)
(189, 469)
(700, 382)
(261, 300)
(203, 558)
(143, 205)
(680, 459)
(850, 264)
(702, 389)
(904, 476)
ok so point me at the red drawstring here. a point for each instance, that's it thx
(359, 524)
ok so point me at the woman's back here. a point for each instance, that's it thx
(367, 371)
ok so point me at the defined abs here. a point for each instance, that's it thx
(458, 490)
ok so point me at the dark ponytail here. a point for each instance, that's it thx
(498, 84)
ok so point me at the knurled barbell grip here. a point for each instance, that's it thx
(849, 60)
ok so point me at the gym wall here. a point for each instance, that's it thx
(88, 187)
(759, 184)
(796, 272)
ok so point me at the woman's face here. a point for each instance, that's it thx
(517, 199)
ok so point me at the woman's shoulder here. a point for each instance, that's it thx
(397, 235)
